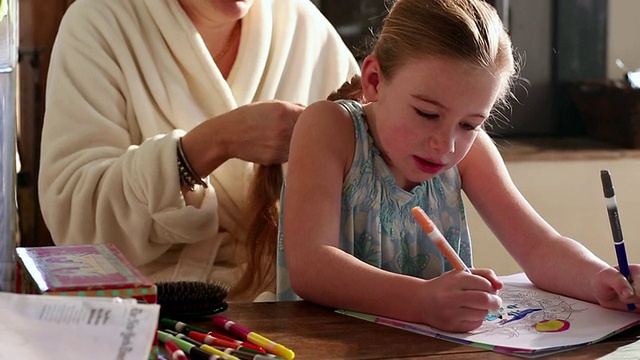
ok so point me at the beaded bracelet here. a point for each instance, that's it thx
(188, 177)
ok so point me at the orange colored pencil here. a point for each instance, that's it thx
(436, 236)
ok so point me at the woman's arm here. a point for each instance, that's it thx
(100, 180)
(258, 133)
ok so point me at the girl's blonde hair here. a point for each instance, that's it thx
(466, 30)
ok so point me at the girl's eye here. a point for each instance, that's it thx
(468, 126)
(426, 115)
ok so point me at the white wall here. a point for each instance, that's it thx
(623, 36)
(568, 194)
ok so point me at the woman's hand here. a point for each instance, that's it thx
(263, 132)
(259, 133)
(458, 301)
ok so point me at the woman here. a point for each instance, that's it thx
(156, 112)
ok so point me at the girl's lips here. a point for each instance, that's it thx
(428, 166)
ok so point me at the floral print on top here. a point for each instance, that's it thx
(377, 226)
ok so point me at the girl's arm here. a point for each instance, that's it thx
(321, 153)
(553, 262)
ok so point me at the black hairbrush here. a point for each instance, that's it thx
(191, 298)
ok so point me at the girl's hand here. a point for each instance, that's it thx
(613, 291)
(458, 301)
(491, 276)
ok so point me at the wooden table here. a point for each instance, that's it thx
(315, 332)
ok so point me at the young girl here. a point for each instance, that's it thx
(438, 71)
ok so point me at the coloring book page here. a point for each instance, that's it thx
(533, 322)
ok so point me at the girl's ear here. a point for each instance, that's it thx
(371, 77)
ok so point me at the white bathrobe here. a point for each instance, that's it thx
(128, 77)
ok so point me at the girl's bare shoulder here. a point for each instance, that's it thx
(326, 116)
(327, 127)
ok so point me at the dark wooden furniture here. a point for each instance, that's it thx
(38, 21)
(315, 332)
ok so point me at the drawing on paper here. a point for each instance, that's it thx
(529, 311)
(533, 322)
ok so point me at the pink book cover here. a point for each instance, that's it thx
(82, 267)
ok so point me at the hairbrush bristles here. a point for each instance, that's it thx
(191, 297)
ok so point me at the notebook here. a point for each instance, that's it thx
(535, 322)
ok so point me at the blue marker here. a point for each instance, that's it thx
(616, 229)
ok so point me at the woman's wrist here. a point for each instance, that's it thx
(205, 147)
(188, 177)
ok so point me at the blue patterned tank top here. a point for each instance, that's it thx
(376, 221)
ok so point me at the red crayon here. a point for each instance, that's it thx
(214, 341)
(255, 338)
(241, 343)
(175, 351)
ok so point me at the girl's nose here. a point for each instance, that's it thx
(443, 141)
